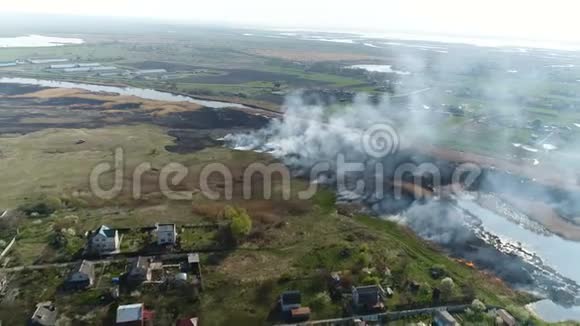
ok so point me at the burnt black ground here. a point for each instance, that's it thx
(193, 130)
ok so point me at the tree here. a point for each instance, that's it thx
(43, 206)
(446, 287)
(58, 240)
(477, 306)
(240, 222)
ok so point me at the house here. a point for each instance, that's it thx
(44, 315)
(104, 68)
(104, 240)
(133, 315)
(187, 322)
(193, 265)
(193, 261)
(505, 318)
(368, 298)
(77, 69)
(444, 318)
(88, 64)
(150, 71)
(140, 270)
(62, 66)
(82, 276)
(166, 234)
(40, 61)
(290, 300)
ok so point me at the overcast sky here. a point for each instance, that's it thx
(554, 20)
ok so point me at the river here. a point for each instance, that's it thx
(551, 256)
(32, 41)
(145, 93)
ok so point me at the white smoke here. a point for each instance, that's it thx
(310, 133)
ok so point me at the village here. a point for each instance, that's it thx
(60, 66)
(68, 257)
(168, 266)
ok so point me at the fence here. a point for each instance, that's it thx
(5, 251)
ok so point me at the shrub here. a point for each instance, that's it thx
(364, 247)
(477, 306)
(320, 300)
(58, 240)
(363, 259)
(75, 202)
(370, 280)
(446, 287)
(43, 206)
(53, 203)
(240, 222)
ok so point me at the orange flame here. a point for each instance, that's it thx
(466, 263)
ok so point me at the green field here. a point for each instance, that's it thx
(295, 248)
(293, 244)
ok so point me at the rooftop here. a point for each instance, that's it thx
(165, 227)
(369, 295)
(444, 315)
(45, 314)
(106, 231)
(151, 71)
(291, 297)
(193, 258)
(140, 264)
(85, 267)
(131, 312)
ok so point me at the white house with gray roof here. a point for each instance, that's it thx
(166, 234)
(104, 240)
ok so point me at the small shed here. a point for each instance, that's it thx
(193, 262)
(300, 314)
(44, 315)
(290, 300)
